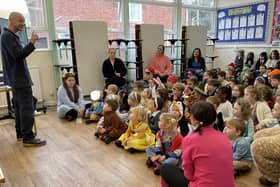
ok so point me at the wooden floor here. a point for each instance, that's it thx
(74, 157)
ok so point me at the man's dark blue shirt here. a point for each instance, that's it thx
(15, 70)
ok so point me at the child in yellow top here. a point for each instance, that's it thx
(138, 136)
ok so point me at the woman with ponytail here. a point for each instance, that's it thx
(206, 154)
(70, 101)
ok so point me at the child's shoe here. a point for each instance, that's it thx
(157, 168)
(264, 181)
(131, 150)
(96, 134)
(107, 139)
(150, 163)
(119, 143)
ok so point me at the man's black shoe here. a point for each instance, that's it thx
(19, 138)
(34, 142)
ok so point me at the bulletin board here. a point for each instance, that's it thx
(245, 23)
(275, 36)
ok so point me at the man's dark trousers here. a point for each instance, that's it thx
(24, 112)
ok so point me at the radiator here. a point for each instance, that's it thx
(37, 91)
(35, 76)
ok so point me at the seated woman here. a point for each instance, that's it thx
(206, 154)
(160, 64)
(196, 64)
(70, 101)
(114, 69)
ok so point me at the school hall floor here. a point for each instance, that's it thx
(74, 157)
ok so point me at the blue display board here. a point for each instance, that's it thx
(242, 24)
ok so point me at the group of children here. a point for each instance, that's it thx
(155, 116)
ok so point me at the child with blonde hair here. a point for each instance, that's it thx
(138, 136)
(177, 109)
(111, 89)
(168, 144)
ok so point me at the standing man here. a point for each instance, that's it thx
(16, 75)
(161, 64)
(114, 70)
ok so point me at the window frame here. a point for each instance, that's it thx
(140, 17)
(202, 8)
(40, 29)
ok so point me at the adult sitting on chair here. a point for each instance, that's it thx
(196, 64)
(114, 69)
(161, 64)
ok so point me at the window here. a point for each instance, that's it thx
(192, 17)
(201, 3)
(34, 13)
(155, 14)
(199, 17)
(206, 18)
(108, 11)
(36, 21)
(36, 10)
(135, 12)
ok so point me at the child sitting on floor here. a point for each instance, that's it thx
(168, 144)
(177, 109)
(154, 105)
(145, 96)
(242, 110)
(95, 112)
(242, 158)
(138, 86)
(138, 136)
(134, 99)
(112, 126)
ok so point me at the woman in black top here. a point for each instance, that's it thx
(114, 70)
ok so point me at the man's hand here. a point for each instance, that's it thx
(118, 74)
(34, 38)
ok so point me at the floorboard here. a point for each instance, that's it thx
(74, 157)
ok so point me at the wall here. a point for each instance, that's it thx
(227, 52)
(43, 60)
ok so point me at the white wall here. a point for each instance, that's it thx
(43, 60)
(227, 52)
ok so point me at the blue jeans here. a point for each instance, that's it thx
(153, 151)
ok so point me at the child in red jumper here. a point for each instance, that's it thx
(168, 144)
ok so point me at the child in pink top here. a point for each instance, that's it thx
(206, 154)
